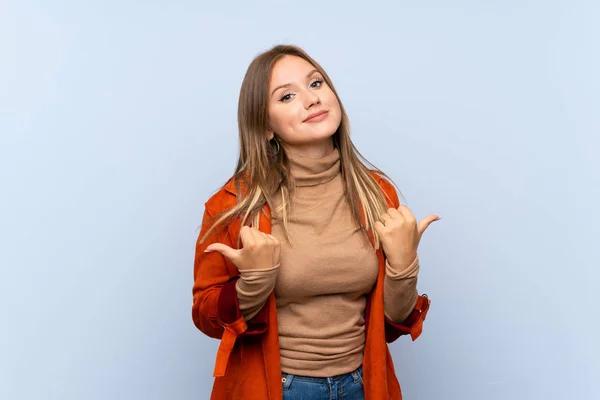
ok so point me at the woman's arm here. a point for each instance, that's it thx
(253, 289)
(400, 287)
(400, 290)
(215, 300)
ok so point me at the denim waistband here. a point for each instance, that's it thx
(356, 375)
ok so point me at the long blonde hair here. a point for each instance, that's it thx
(263, 170)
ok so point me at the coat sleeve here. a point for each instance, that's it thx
(413, 324)
(215, 302)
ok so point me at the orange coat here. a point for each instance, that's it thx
(248, 359)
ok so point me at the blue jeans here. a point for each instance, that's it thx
(340, 387)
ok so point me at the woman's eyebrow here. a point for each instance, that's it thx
(288, 84)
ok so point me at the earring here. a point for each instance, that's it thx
(277, 143)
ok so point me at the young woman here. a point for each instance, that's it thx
(306, 264)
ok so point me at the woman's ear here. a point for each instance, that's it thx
(270, 134)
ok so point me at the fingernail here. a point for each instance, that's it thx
(207, 251)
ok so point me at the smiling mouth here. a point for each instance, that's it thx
(319, 117)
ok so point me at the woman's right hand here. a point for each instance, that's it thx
(260, 250)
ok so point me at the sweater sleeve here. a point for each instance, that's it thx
(400, 291)
(253, 289)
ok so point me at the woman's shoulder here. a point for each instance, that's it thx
(223, 198)
(226, 196)
(382, 181)
(388, 188)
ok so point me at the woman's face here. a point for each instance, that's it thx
(296, 92)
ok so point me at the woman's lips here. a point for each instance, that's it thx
(319, 117)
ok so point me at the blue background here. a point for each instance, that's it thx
(118, 121)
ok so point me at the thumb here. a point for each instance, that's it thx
(425, 222)
(223, 249)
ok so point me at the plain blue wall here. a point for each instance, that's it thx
(118, 121)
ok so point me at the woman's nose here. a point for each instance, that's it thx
(311, 99)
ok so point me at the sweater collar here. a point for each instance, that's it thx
(308, 171)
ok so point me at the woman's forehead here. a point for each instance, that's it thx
(290, 69)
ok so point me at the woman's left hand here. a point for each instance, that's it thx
(400, 235)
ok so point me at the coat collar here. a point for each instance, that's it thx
(230, 186)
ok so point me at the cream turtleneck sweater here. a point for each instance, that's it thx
(324, 276)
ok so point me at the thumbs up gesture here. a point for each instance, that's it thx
(260, 250)
(400, 235)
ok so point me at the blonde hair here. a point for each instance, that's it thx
(263, 172)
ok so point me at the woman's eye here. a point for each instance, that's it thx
(286, 97)
(317, 83)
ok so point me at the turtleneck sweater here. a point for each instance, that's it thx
(324, 276)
